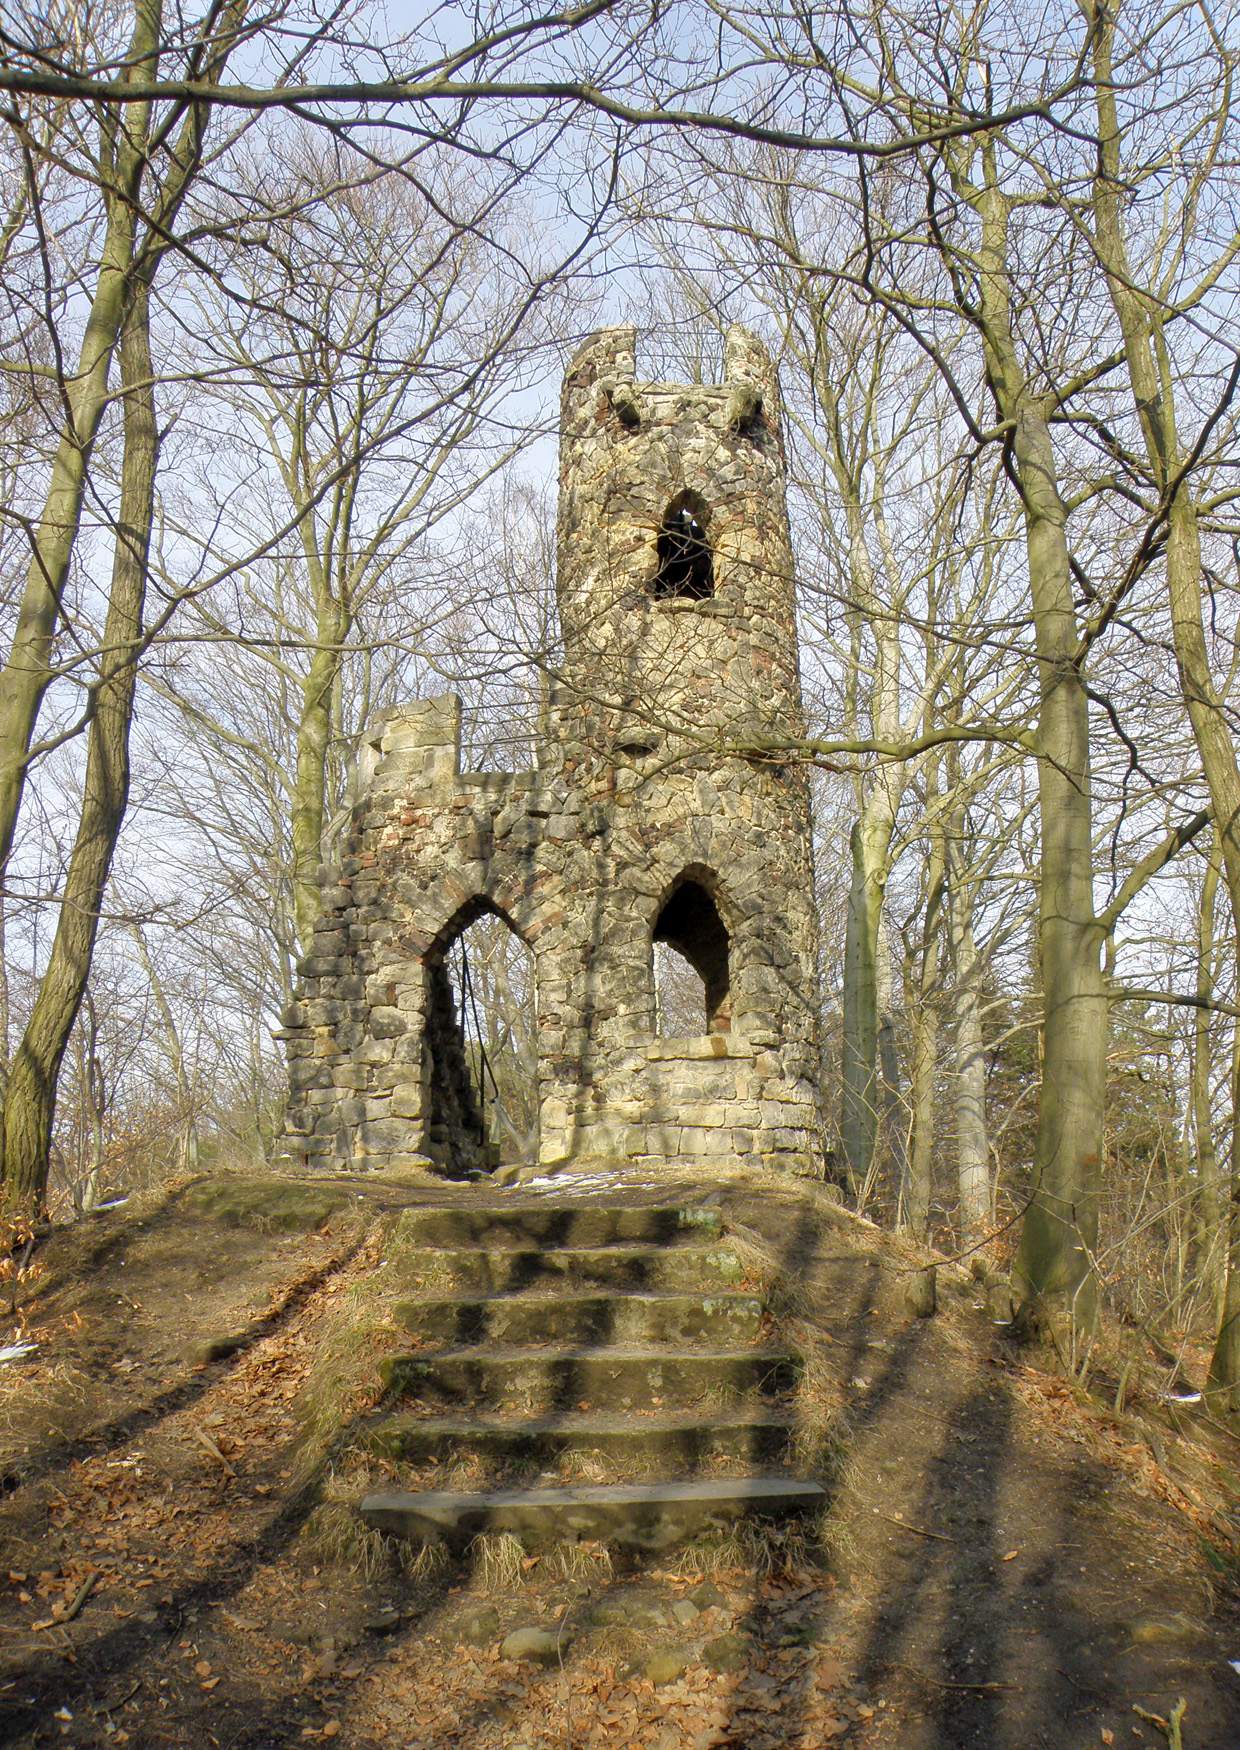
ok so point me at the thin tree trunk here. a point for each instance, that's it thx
(924, 1027)
(972, 1135)
(30, 1101)
(1209, 1191)
(893, 1117)
(187, 1141)
(1225, 1361)
(868, 845)
(314, 729)
(1054, 1264)
(1142, 319)
(27, 671)
(95, 1102)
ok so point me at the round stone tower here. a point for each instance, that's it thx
(675, 578)
(678, 701)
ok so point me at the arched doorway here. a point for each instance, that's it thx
(481, 1044)
(691, 952)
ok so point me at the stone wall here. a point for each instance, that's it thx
(661, 767)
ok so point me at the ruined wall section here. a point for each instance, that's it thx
(361, 1036)
(581, 874)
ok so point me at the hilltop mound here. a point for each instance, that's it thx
(1007, 1559)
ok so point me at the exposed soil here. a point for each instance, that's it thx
(1015, 1565)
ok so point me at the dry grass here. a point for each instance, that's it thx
(760, 1548)
(333, 1536)
(499, 1562)
(344, 1381)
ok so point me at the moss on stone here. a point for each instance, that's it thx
(269, 1203)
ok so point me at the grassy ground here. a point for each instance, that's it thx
(1012, 1562)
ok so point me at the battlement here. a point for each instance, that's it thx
(606, 363)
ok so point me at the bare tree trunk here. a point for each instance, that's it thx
(314, 730)
(1142, 319)
(1225, 1362)
(868, 844)
(1054, 1264)
(972, 1135)
(924, 1027)
(30, 1101)
(187, 1140)
(1055, 1259)
(95, 1101)
(27, 670)
(892, 1113)
(1209, 1191)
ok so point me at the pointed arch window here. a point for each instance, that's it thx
(685, 569)
(692, 969)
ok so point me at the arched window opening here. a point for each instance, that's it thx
(684, 569)
(692, 977)
(482, 1047)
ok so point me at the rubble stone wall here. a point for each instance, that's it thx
(661, 765)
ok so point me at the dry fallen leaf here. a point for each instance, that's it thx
(1011, 1555)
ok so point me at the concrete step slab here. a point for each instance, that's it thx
(554, 1224)
(624, 1316)
(603, 1378)
(697, 1264)
(638, 1516)
(670, 1443)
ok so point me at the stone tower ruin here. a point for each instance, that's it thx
(661, 809)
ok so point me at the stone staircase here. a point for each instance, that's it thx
(581, 1369)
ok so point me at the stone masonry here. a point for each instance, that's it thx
(661, 809)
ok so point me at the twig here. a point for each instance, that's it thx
(72, 1608)
(942, 1683)
(111, 1707)
(919, 1530)
(205, 1441)
(1169, 1727)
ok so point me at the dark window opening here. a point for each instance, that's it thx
(482, 1046)
(691, 965)
(684, 570)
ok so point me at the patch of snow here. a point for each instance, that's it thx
(16, 1351)
(612, 1181)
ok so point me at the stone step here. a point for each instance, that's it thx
(638, 1516)
(675, 1443)
(507, 1270)
(579, 1224)
(625, 1316)
(606, 1378)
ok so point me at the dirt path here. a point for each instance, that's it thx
(1016, 1572)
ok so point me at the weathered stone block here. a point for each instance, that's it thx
(385, 1135)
